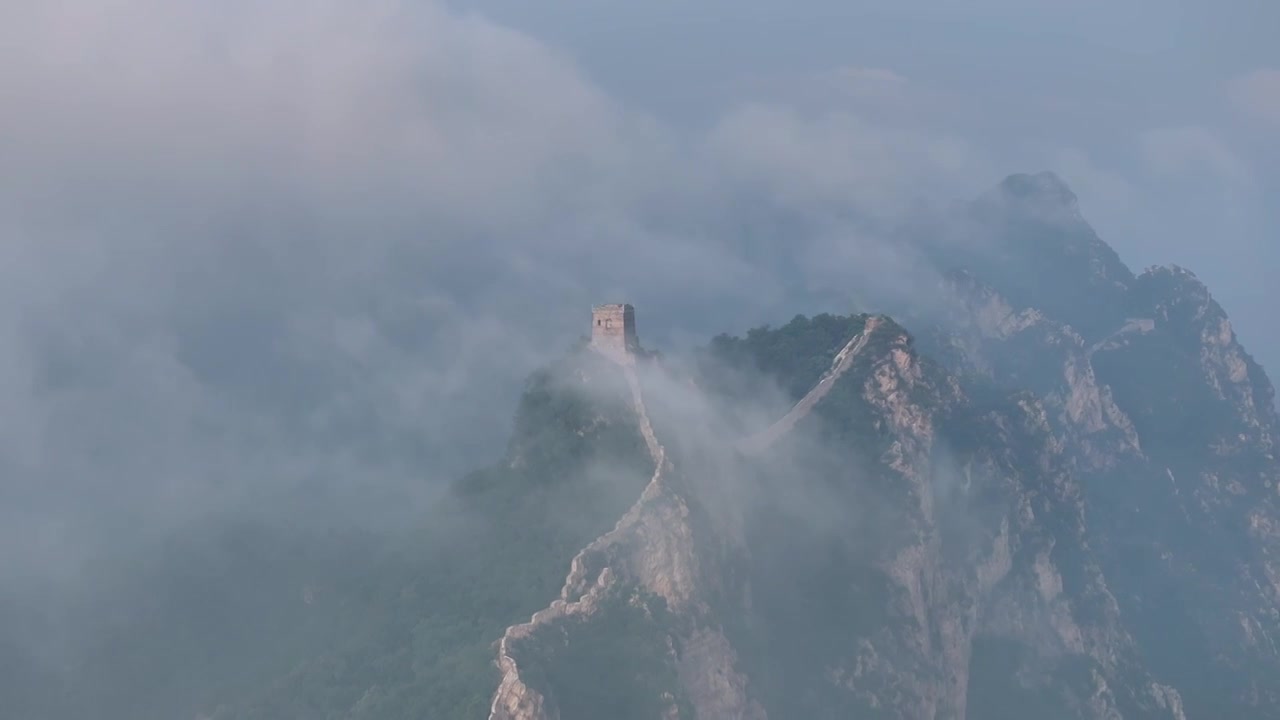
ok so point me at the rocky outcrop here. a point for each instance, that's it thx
(998, 577)
(1167, 426)
(1024, 348)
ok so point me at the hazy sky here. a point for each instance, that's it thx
(251, 248)
(1162, 115)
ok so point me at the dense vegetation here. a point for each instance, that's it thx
(794, 355)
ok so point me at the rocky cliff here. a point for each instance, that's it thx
(1168, 425)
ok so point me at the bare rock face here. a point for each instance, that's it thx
(1025, 348)
(1166, 424)
(1205, 413)
(987, 563)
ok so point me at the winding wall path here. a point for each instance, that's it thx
(842, 362)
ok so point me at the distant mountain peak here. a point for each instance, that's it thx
(1037, 248)
(1043, 185)
(1041, 197)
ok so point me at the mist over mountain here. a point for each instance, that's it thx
(1052, 498)
(302, 420)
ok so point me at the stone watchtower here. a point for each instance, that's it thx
(613, 329)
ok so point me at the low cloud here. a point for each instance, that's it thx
(294, 259)
(1257, 95)
(257, 252)
(1192, 152)
(837, 160)
(263, 254)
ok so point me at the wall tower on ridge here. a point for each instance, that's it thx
(613, 328)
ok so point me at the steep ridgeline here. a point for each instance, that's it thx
(632, 633)
(1167, 424)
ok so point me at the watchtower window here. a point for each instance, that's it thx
(608, 324)
(597, 323)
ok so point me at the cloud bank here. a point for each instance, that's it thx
(293, 259)
(267, 253)
(301, 254)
